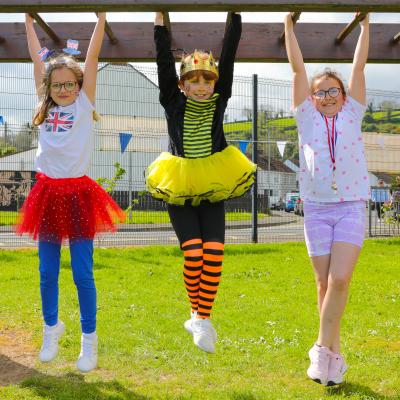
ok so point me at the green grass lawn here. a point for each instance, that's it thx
(265, 315)
(139, 217)
(8, 217)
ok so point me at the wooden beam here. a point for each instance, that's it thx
(45, 27)
(259, 43)
(295, 18)
(199, 5)
(350, 27)
(109, 32)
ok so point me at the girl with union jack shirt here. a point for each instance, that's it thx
(65, 203)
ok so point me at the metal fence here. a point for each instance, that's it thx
(127, 100)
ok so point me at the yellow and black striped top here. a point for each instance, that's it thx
(197, 124)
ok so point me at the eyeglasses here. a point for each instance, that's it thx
(69, 86)
(333, 92)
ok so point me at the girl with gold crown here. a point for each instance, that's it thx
(201, 170)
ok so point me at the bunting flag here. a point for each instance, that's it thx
(281, 147)
(243, 146)
(1, 120)
(124, 139)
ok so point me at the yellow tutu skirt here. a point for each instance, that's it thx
(221, 176)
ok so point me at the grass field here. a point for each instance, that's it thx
(139, 217)
(265, 315)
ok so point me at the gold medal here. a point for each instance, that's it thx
(334, 185)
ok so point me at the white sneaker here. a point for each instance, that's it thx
(318, 369)
(51, 335)
(188, 324)
(337, 368)
(204, 334)
(88, 357)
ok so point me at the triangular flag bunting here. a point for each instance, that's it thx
(124, 139)
(243, 145)
(281, 147)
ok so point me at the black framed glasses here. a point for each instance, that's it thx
(333, 92)
(69, 86)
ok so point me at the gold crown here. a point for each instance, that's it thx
(198, 61)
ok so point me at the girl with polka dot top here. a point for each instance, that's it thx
(334, 187)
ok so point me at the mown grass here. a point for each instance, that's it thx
(265, 316)
(139, 217)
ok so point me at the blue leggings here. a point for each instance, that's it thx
(82, 269)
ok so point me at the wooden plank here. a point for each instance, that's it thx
(46, 28)
(109, 32)
(199, 5)
(259, 43)
(350, 27)
(295, 18)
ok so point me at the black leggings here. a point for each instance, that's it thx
(206, 221)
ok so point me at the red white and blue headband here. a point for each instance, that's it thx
(71, 49)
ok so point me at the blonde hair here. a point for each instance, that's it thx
(328, 73)
(46, 102)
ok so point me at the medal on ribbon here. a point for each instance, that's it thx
(332, 138)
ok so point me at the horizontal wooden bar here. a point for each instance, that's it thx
(259, 43)
(198, 5)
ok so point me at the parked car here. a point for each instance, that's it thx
(298, 207)
(290, 201)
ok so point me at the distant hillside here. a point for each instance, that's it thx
(285, 128)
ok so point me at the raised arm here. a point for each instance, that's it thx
(301, 88)
(92, 58)
(34, 47)
(357, 79)
(167, 78)
(228, 54)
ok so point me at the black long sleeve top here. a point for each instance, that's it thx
(174, 101)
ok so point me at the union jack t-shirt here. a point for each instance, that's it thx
(58, 121)
(66, 139)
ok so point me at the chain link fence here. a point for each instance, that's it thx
(132, 132)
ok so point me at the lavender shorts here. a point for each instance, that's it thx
(325, 223)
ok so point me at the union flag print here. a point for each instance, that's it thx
(58, 122)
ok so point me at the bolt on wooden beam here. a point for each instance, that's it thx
(350, 27)
(46, 28)
(396, 38)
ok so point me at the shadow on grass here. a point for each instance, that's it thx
(12, 372)
(73, 386)
(242, 396)
(349, 389)
(65, 387)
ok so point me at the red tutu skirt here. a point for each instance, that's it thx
(68, 208)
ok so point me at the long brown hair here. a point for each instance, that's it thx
(46, 102)
(328, 73)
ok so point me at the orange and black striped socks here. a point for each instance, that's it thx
(193, 254)
(213, 254)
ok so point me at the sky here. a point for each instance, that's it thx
(378, 76)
